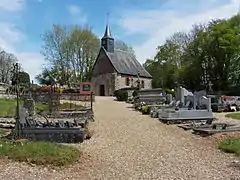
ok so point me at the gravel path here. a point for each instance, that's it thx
(128, 145)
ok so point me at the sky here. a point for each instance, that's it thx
(142, 24)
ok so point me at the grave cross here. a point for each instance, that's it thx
(210, 86)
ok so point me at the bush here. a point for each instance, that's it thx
(135, 93)
(70, 91)
(146, 109)
(121, 95)
(46, 89)
(169, 91)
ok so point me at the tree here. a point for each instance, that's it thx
(209, 53)
(70, 52)
(120, 45)
(234, 75)
(23, 79)
(48, 77)
(7, 61)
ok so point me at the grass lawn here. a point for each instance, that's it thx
(8, 107)
(40, 153)
(234, 116)
(230, 146)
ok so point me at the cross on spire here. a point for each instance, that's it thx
(107, 15)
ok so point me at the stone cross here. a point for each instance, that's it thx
(29, 104)
(22, 115)
(210, 86)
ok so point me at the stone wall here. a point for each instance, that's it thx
(7, 96)
(112, 82)
(108, 80)
(121, 82)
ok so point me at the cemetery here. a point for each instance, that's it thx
(68, 123)
(58, 125)
(43, 119)
(190, 111)
(96, 112)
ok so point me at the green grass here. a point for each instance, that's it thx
(233, 116)
(39, 153)
(8, 107)
(230, 146)
(3, 132)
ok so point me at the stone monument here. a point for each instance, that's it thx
(29, 104)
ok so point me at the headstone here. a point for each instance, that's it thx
(169, 98)
(188, 103)
(29, 104)
(22, 115)
(61, 124)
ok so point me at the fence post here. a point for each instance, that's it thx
(91, 99)
(70, 98)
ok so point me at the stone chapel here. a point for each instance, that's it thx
(116, 69)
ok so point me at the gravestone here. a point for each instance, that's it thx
(29, 104)
(22, 115)
(169, 98)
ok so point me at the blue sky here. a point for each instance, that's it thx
(140, 23)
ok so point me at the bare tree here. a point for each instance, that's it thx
(71, 52)
(7, 61)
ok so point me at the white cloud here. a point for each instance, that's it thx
(74, 10)
(157, 25)
(11, 5)
(11, 37)
(31, 62)
(76, 14)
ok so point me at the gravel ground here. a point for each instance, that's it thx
(128, 145)
(221, 118)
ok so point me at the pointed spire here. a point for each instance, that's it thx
(107, 33)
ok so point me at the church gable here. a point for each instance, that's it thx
(102, 64)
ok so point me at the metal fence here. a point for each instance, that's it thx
(68, 101)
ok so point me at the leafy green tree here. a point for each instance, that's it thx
(207, 54)
(23, 79)
(48, 77)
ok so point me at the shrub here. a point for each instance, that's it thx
(69, 91)
(146, 109)
(45, 89)
(121, 95)
(169, 91)
(135, 93)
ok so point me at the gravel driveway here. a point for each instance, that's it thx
(127, 145)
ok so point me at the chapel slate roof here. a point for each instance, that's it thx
(126, 63)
